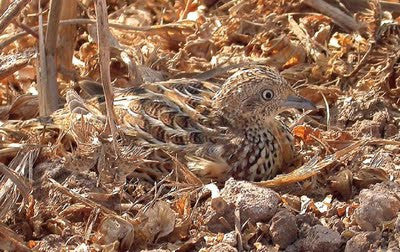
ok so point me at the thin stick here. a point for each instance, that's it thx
(12, 11)
(103, 32)
(362, 62)
(348, 23)
(66, 46)
(238, 229)
(27, 29)
(42, 66)
(51, 87)
(328, 114)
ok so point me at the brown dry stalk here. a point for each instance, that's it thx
(103, 32)
(48, 100)
(12, 11)
(345, 21)
(66, 45)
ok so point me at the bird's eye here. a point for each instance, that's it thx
(267, 94)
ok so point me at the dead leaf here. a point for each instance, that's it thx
(113, 229)
(305, 132)
(157, 222)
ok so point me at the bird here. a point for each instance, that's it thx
(217, 131)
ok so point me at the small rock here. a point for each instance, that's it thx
(267, 248)
(283, 228)
(362, 241)
(377, 205)
(222, 247)
(256, 204)
(338, 225)
(230, 238)
(320, 238)
(307, 218)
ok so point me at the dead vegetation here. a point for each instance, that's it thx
(67, 182)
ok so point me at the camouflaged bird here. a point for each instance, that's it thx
(218, 132)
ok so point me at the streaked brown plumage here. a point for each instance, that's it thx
(217, 132)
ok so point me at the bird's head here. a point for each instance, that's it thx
(258, 93)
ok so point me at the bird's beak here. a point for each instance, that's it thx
(294, 101)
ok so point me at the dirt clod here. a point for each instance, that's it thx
(362, 242)
(377, 205)
(319, 238)
(283, 228)
(222, 247)
(255, 204)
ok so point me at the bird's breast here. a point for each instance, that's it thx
(263, 152)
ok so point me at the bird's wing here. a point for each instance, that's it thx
(172, 113)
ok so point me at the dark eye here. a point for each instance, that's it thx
(267, 94)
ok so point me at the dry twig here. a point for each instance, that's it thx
(345, 21)
(104, 55)
(12, 11)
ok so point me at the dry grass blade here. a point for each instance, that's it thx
(150, 29)
(14, 179)
(79, 198)
(312, 167)
(90, 223)
(384, 142)
(188, 175)
(10, 149)
(328, 114)
(18, 180)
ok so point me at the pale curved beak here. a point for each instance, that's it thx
(294, 101)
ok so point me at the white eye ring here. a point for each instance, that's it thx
(267, 94)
